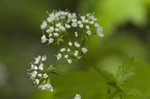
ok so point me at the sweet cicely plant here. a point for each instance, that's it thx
(68, 32)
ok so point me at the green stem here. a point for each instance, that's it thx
(109, 81)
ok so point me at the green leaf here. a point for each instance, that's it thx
(138, 84)
(113, 13)
(89, 84)
(116, 12)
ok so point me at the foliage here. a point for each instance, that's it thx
(116, 12)
(114, 67)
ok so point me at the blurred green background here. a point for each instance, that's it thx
(126, 25)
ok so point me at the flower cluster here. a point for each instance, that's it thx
(73, 50)
(71, 31)
(68, 31)
(39, 75)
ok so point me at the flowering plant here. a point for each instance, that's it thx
(70, 33)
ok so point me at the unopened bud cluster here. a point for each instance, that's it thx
(71, 32)
(38, 74)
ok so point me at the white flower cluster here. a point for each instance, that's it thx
(72, 51)
(70, 30)
(77, 96)
(71, 33)
(58, 23)
(38, 74)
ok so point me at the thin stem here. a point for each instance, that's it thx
(110, 82)
(101, 73)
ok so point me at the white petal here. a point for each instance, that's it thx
(77, 96)
(37, 60)
(70, 43)
(45, 75)
(69, 61)
(50, 40)
(76, 44)
(62, 49)
(44, 58)
(43, 39)
(43, 25)
(84, 50)
(59, 56)
(41, 67)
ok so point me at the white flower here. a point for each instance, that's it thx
(74, 24)
(33, 74)
(50, 35)
(40, 75)
(66, 56)
(77, 96)
(33, 67)
(76, 53)
(74, 20)
(62, 49)
(45, 75)
(43, 39)
(41, 66)
(91, 22)
(83, 18)
(56, 34)
(99, 31)
(50, 18)
(69, 61)
(59, 56)
(37, 60)
(100, 34)
(84, 50)
(44, 58)
(50, 40)
(43, 25)
(92, 18)
(46, 86)
(58, 24)
(79, 22)
(88, 32)
(67, 26)
(74, 15)
(76, 34)
(37, 81)
(81, 25)
(68, 50)
(62, 28)
(57, 29)
(51, 88)
(87, 27)
(51, 29)
(70, 43)
(86, 21)
(76, 44)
